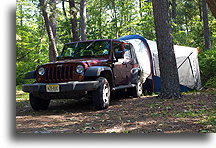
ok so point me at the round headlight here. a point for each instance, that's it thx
(41, 71)
(79, 69)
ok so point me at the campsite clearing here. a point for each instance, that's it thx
(194, 112)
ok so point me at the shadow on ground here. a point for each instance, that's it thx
(125, 115)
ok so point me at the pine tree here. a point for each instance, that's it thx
(50, 32)
(167, 61)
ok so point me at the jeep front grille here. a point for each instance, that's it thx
(58, 73)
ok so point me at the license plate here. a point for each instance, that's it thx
(52, 88)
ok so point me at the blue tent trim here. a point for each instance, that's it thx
(157, 85)
(128, 37)
(149, 85)
(155, 82)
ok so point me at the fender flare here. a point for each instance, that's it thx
(30, 75)
(96, 71)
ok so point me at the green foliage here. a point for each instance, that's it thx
(31, 43)
(207, 63)
(145, 24)
(211, 82)
(108, 19)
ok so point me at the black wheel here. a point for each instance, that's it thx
(137, 91)
(101, 97)
(38, 103)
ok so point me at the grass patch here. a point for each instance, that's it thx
(210, 119)
(207, 118)
(20, 95)
(196, 113)
(18, 87)
(209, 91)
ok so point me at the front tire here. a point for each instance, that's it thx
(101, 97)
(38, 103)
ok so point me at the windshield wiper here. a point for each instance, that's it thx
(90, 45)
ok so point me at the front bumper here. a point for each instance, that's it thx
(65, 87)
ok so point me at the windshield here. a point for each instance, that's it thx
(86, 49)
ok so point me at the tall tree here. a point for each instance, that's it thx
(200, 9)
(52, 44)
(83, 19)
(174, 10)
(52, 16)
(206, 25)
(67, 21)
(140, 8)
(114, 17)
(212, 6)
(167, 61)
(73, 13)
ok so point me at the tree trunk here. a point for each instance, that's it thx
(167, 60)
(83, 19)
(212, 6)
(66, 18)
(206, 26)
(73, 13)
(115, 18)
(140, 8)
(21, 16)
(52, 17)
(174, 10)
(100, 19)
(63, 9)
(52, 45)
(200, 9)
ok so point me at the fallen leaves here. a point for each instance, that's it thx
(191, 113)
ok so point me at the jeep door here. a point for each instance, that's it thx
(128, 61)
(122, 66)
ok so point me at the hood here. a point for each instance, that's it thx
(88, 61)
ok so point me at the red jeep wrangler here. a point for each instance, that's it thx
(96, 67)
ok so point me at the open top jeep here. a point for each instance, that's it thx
(96, 68)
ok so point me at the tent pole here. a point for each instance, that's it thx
(184, 60)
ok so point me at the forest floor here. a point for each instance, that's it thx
(194, 113)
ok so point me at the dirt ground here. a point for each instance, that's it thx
(194, 112)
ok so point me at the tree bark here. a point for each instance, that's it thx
(206, 26)
(63, 8)
(100, 19)
(200, 9)
(52, 45)
(140, 8)
(66, 18)
(174, 10)
(52, 17)
(167, 60)
(115, 18)
(83, 19)
(212, 6)
(73, 13)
